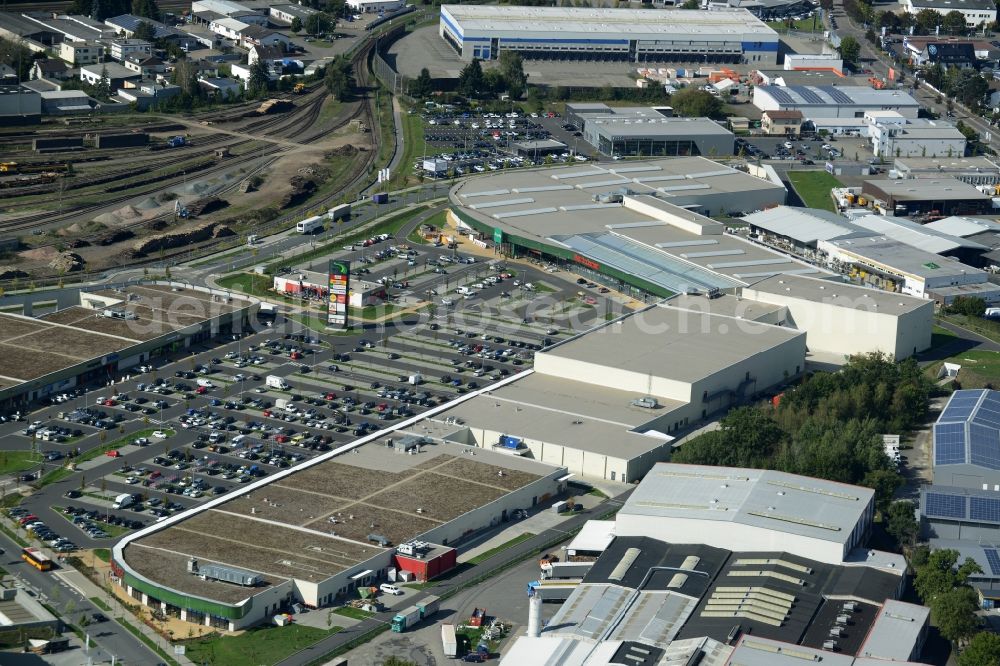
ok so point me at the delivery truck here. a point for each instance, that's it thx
(406, 618)
(276, 382)
(449, 642)
(124, 500)
(559, 570)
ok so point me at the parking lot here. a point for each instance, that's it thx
(201, 424)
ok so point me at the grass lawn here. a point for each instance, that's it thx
(103, 554)
(413, 145)
(55, 475)
(350, 611)
(979, 368)
(250, 283)
(97, 601)
(12, 462)
(266, 645)
(487, 554)
(813, 187)
(805, 25)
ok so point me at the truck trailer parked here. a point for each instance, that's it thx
(449, 642)
(406, 618)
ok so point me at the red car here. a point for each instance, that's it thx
(330, 396)
(295, 356)
(281, 439)
(113, 453)
(267, 413)
(109, 403)
(201, 390)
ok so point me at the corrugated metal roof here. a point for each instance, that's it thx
(915, 235)
(805, 225)
(963, 226)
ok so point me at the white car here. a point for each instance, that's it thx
(159, 434)
(387, 588)
(789, 145)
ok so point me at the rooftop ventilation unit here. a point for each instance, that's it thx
(229, 575)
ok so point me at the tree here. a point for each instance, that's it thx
(512, 68)
(296, 25)
(470, 79)
(259, 79)
(850, 50)
(954, 613)
(967, 86)
(927, 21)
(337, 82)
(422, 86)
(901, 522)
(982, 650)
(18, 56)
(185, 75)
(99, 9)
(954, 23)
(103, 89)
(145, 30)
(691, 4)
(692, 102)
(319, 23)
(971, 306)
(146, 8)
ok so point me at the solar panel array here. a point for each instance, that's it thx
(780, 94)
(809, 95)
(949, 443)
(838, 95)
(984, 445)
(984, 509)
(961, 406)
(945, 506)
(993, 559)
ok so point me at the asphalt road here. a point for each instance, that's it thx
(108, 637)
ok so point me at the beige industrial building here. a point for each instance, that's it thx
(609, 403)
(845, 319)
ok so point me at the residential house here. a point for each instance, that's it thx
(272, 56)
(123, 48)
(77, 54)
(947, 54)
(148, 93)
(781, 123)
(50, 69)
(146, 66)
(219, 87)
(117, 74)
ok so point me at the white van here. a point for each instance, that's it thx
(206, 383)
(388, 588)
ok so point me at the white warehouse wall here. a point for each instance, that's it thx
(729, 535)
(600, 374)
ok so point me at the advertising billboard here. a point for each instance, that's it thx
(339, 296)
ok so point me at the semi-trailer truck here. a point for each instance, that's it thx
(406, 618)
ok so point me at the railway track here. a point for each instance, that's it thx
(290, 125)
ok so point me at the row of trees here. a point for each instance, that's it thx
(103, 9)
(830, 426)
(965, 85)
(315, 24)
(475, 83)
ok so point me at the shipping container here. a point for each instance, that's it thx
(121, 140)
(406, 618)
(381, 198)
(62, 143)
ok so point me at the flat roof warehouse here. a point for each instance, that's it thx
(630, 23)
(646, 231)
(116, 329)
